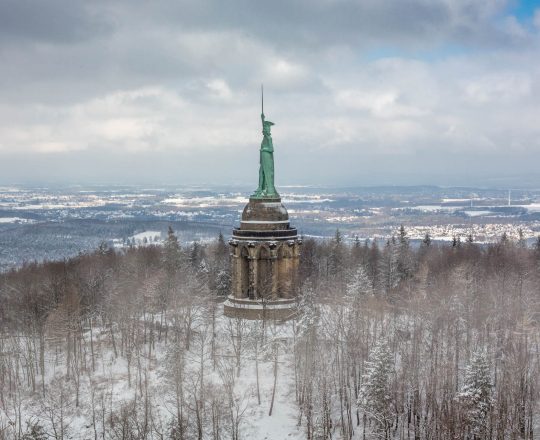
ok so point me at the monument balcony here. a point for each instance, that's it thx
(276, 234)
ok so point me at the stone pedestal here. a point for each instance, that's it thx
(265, 252)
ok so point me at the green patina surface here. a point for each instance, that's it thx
(266, 188)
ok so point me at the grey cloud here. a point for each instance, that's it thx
(64, 51)
(97, 90)
(318, 23)
(54, 21)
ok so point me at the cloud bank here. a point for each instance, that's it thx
(362, 92)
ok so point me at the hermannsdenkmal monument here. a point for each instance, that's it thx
(265, 249)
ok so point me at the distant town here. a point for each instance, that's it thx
(38, 224)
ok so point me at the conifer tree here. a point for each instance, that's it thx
(356, 252)
(202, 271)
(476, 394)
(35, 431)
(308, 311)
(427, 240)
(388, 267)
(222, 251)
(338, 238)
(103, 248)
(521, 239)
(403, 240)
(365, 253)
(172, 252)
(375, 397)
(404, 261)
(359, 285)
(337, 251)
(196, 254)
(223, 282)
(374, 257)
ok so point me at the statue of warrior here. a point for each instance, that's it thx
(266, 169)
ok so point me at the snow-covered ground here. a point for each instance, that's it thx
(15, 220)
(142, 377)
(146, 237)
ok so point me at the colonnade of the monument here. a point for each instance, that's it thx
(264, 270)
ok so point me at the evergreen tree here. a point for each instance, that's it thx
(219, 272)
(337, 254)
(202, 269)
(34, 431)
(356, 250)
(403, 239)
(309, 313)
(103, 248)
(365, 253)
(222, 251)
(404, 262)
(374, 258)
(359, 285)
(338, 237)
(375, 398)
(172, 252)
(196, 255)
(521, 239)
(427, 240)
(223, 282)
(388, 267)
(476, 394)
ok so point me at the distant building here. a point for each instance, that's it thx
(265, 250)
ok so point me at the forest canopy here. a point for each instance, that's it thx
(391, 340)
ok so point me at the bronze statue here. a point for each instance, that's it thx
(266, 187)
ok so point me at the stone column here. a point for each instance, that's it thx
(253, 274)
(255, 278)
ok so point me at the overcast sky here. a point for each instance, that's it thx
(362, 92)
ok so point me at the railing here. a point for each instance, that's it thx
(276, 234)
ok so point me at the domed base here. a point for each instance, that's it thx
(266, 214)
(280, 309)
(264, 219)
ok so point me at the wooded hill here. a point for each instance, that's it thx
(435, 342)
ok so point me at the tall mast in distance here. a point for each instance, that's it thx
(262, 100)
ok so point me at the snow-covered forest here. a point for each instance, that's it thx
(435, 342)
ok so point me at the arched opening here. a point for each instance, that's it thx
(283, 263)
(244, 272)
